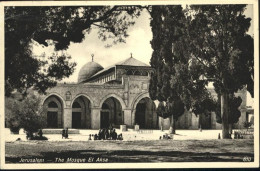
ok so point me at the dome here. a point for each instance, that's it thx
(88, 70)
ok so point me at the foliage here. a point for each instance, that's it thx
(247, 124)
(222, 46)
(199, 45)
(58, 26)
(234, 103)
(176, 80)
(28, 113)
(218, 41)
(12, 119)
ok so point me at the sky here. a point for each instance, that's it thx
(138, 43)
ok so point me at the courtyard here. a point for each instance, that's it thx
(186, 146)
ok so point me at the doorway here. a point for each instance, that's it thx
(52, 119)
(76, 119)
(104, 120)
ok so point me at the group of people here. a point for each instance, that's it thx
(165, 137)
(106, 134)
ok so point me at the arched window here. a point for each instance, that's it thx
(52, 104)
(76, 105)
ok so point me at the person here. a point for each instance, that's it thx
(40, 133)
(106, 134)
(63, 134)
(96, 137)
(114, 134)
(67, 133)
(110, 127)
(27, 135)
(89, 138)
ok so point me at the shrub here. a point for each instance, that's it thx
(27, 114)
(247, 124)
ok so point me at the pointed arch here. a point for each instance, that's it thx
(85, 95)
(116, 97)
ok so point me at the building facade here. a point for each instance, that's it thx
(117, 95)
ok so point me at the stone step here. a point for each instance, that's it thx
(58, 131)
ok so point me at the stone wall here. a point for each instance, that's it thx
(132, 89)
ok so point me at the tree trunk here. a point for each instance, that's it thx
(230, 128)
(225, 115)
(173, 125)
(161, 123)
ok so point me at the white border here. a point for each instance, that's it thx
(133, 165)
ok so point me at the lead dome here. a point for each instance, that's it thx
(88, 70)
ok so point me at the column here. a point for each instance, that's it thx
(128, 118)
(95, 118)
(133, 117)
(67, 120)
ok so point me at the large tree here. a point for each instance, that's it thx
(225, 52)
(61, 25)
(196, 46)
(175, 82)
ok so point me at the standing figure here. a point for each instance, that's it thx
(40, 133)
(67, 133)
(63, 133)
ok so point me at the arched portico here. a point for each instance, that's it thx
(144, 112)
(111, 113)
(81, 112)
(53, 109)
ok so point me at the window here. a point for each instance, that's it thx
(68, 95)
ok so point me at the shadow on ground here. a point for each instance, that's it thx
(123, 156)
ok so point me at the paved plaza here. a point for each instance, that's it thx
(129, 135)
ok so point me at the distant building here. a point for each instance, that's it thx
(115, 95)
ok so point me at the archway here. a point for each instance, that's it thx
(111, 113)
(54, 112)
(145, 114)
(81, 112)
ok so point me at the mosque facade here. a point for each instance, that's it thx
(116, 95)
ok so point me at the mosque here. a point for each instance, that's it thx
(116, 95)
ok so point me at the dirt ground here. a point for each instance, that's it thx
(233, 150)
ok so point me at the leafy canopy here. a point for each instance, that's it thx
(58, 26)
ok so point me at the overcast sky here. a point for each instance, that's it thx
(138, 43)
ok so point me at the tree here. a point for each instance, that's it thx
(176, 80)
(225, 52)
(164, 20)
(25, 26)
(27, 113)
(12, 120)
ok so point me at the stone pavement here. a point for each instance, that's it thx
(129, 135)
